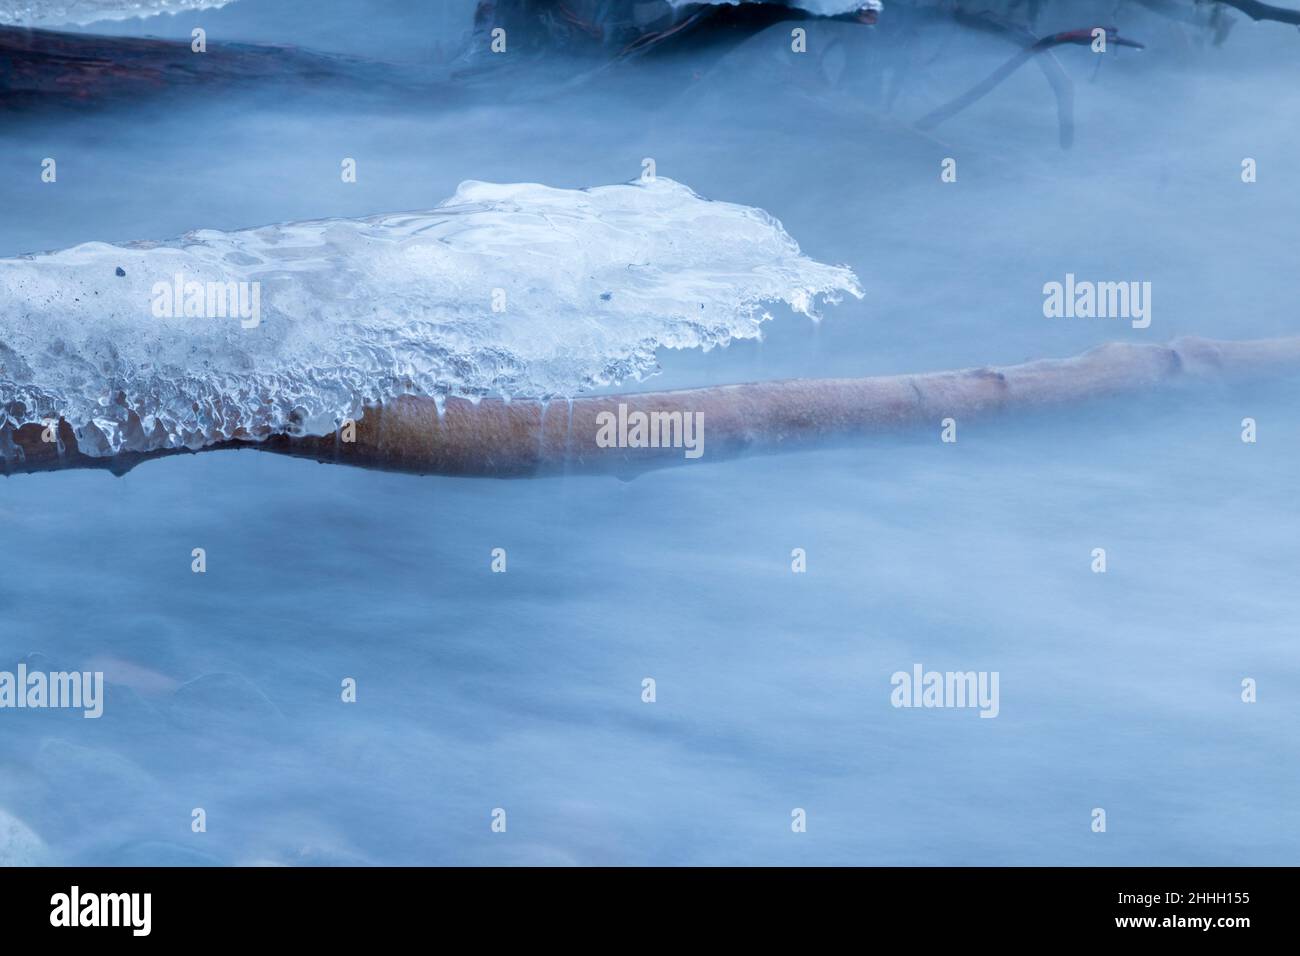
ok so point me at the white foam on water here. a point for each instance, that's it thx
(590, 284)
(47, 13)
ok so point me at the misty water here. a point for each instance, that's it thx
(523, 690)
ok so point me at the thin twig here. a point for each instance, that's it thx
(1264, 11)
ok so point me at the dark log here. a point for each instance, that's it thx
(38, 67)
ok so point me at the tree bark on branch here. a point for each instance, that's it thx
(525, 439)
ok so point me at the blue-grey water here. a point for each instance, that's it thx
(523, 690)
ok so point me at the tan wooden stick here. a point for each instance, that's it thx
(522, 439)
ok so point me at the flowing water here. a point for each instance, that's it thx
(523, 691)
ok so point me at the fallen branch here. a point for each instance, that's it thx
(524, 439)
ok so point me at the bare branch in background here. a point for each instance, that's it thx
(1264, 11)
(1048, 64)
(1037, 48)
